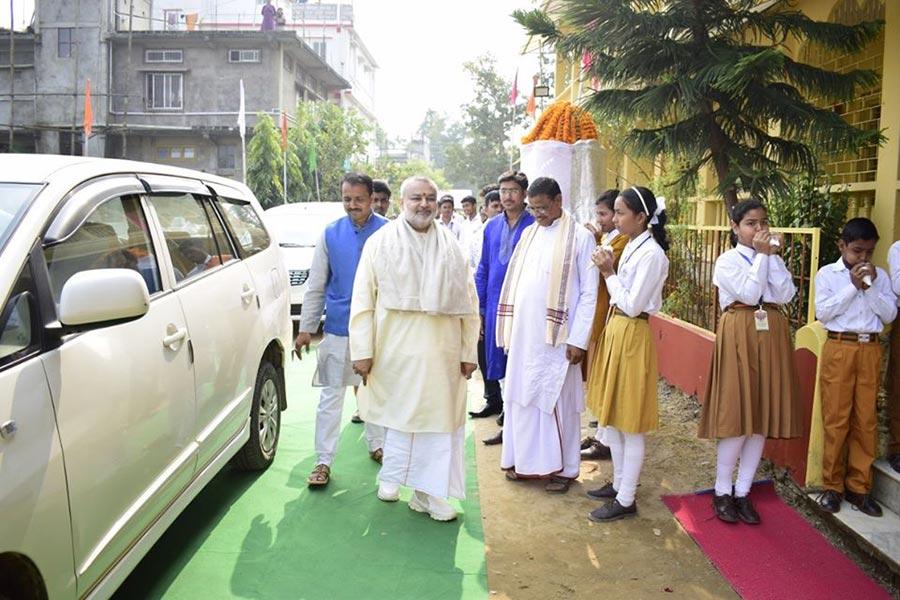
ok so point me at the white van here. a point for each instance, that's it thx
(143, 334)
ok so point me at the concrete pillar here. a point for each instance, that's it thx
(885, 213)
(48, 142)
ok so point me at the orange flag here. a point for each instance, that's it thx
(88, 110)
(284, 131)
(530, 107)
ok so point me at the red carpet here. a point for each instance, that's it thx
(783, 557)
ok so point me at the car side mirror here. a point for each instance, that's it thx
(102, 297)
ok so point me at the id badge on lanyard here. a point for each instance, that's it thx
(761, 319)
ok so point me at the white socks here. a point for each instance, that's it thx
(627, 451)
(749, 450)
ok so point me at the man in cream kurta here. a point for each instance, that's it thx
(414, 329)
(544, 320)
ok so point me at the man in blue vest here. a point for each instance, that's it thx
(330, 287)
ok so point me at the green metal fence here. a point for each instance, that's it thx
(689, 293)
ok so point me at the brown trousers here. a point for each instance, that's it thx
(849, 383)
(893, 389)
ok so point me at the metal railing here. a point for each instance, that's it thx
(689, 293)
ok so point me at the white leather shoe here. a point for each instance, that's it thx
(436, 508)
(388, 492)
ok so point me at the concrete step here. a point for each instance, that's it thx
(880, 534)
(886, 485)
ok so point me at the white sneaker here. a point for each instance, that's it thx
(437, 508)
(388, 492)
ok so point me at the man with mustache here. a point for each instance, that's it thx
(330, 287)
(413, 339)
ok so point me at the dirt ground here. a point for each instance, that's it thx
(542, 545)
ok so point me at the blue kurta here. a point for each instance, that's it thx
(499, 242)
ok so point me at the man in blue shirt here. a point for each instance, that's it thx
(501, 234)
(330, 287)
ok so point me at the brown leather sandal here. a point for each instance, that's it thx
(558, 485)
(320, 476)
(511, 475)
(377, 455)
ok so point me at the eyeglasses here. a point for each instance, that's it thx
(543, 210)
(510, 191)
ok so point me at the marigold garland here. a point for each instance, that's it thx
(564, 122)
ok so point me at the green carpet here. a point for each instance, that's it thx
(268, 536)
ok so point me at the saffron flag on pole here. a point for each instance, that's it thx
(531, 107)
(88, 111)
(242, 119)
(284, 131)
(514, 92)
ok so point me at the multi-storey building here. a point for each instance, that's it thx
(159, 94)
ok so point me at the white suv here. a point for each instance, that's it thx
(144, 325)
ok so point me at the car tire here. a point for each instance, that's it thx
(265, 421)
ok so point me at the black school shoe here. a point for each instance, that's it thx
(830, 501)
(894, 461)
(613, 512)
(494, 440)
(607, 491)
(864, 503)
(724, 508)
(745, 510)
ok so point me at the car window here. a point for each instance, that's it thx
(220, 236)
(301, 231)
(14, 201)
(190, 235)
(246, 226)
(17, 321)
(114, 236)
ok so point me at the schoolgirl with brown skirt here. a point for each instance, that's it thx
(751, 392)
(623, 378)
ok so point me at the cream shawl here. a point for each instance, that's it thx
(421, 272)
(561, 270)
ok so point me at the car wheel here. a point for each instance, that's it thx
(265, 421)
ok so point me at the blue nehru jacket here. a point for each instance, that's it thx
(344, 242)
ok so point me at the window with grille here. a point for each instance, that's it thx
(165, 91)
(65, 46)
(244, 55)
(163, 56)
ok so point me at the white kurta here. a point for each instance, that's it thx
(544, 392)
(415, 388)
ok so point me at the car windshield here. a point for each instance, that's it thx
(14, 201)
(300, 232)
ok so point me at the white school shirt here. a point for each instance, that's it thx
(894, 264)
(609, 236)
(842, 307)
(637, 286)
(744, 275)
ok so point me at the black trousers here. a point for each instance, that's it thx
(492, 393)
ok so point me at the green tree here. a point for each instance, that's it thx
(325, 139)
(711, 83)
(264, 162)
(440, 134)
(484, 153)
(394, 173)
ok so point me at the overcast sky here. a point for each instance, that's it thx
(420, 46)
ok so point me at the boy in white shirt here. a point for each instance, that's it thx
(854, 301)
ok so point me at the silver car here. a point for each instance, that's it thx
(144, 325)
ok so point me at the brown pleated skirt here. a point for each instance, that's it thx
(752, 387)
(621, 388)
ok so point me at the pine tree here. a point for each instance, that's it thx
(710, 82)
(264, 162)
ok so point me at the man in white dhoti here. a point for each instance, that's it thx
(544, 322)
(414, 328)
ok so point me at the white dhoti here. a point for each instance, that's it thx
(433, 463)
(538, 443)
(334, 375)
(544, 395)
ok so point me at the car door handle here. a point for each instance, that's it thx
(174, 336)
(247, 294)
(8, 430)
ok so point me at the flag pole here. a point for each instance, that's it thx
(242, 125)
(512, 138)
(284, 175)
